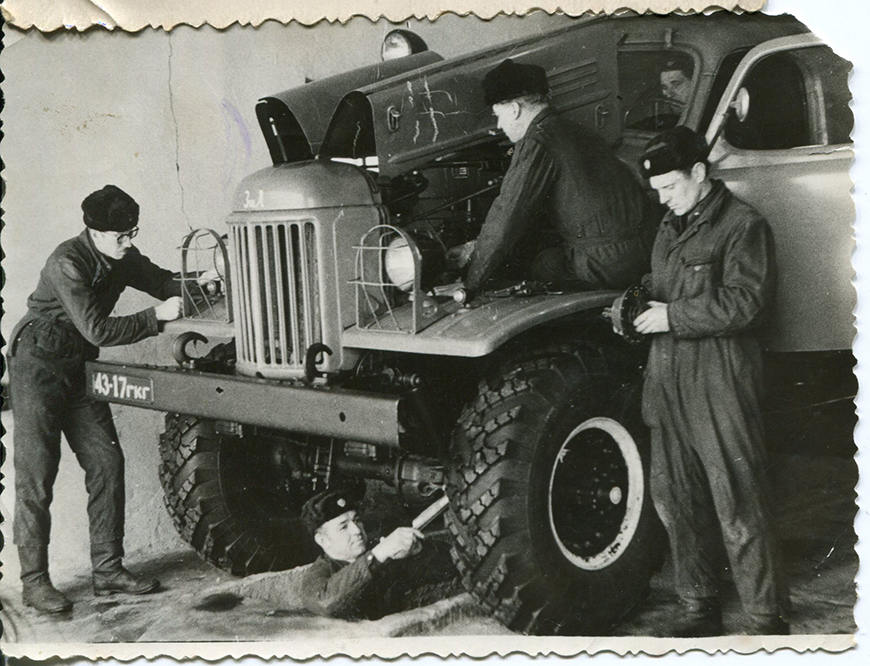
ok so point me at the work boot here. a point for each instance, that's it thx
(699, 618)
(37, 591)
(41, 595)
(110, 577)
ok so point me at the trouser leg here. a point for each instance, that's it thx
(34, 562)
(736, 463)
(680, 494)
(37, 412)
(91, 434)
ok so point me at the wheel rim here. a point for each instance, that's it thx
(596, 493)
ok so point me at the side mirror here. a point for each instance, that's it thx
(741, 104)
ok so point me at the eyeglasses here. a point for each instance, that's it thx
(127, 235)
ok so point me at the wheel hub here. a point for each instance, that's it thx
(596, 493)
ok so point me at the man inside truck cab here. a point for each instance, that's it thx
(713, 283)
(564, 183)
(676, 82)
(69, 317)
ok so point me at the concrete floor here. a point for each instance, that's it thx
(815, 509)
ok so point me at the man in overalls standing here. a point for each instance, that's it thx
(713, 284)
(68, 319)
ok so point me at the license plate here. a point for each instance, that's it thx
(118, 386)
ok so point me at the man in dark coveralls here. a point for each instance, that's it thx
(354, 582)
(69, 317)
(713, 283)
(565, 183)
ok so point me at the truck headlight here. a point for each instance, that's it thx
(400, 43)
(399, 263)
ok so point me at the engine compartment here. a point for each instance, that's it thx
(447, 200)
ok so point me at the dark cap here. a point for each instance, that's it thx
(673, 149)
(509, 81)
(684, 65)
(110, 209)
(327, 505)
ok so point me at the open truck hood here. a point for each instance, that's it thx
(430, 113)
(294, 122)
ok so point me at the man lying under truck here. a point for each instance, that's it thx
(564, 183)
(355, 582)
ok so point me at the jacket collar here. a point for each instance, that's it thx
(103, 266)
(705, 210)
(542, 115)
(545, 113)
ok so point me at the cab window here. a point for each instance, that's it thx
(655, 88)
(723, 77)
(778, 115)
(795, 99)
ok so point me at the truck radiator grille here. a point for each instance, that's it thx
(275, 271)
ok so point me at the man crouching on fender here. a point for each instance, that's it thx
(569, 209)
(713, 283)
(351, 581)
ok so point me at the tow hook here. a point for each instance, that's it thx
(311, 360)
(179, 348)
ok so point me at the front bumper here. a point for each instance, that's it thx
(339, 413)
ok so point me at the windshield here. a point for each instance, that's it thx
(655, 88)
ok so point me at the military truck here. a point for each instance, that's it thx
(338, 353)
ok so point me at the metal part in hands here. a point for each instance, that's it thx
(430, 513)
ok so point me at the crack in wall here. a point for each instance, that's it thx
(175, 125)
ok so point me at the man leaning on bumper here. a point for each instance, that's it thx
(68, 319)
(713, 283)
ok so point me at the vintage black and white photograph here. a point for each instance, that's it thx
(456, 329)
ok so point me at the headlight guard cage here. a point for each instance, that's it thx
(204, 251)
(382, 304)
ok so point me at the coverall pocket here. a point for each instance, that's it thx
(699, 274)
(52, 344)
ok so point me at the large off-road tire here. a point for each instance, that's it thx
(229, 499)
(550, 511)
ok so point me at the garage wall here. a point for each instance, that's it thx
(168, 117)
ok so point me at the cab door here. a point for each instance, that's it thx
(780, 141)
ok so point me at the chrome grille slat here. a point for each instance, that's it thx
(279, 301)
(291, 276)
(245, 303)
(313, 283)
(281, 241)
(256, 296)
(306, 281)
(269, 294)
